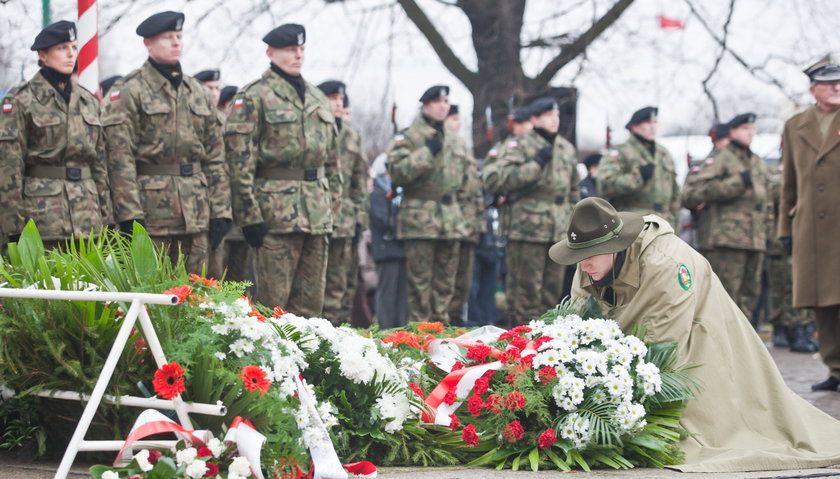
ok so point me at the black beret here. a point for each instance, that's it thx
(826, 68)
(521, 115)
(226, 94)
(208, 75)
(107, 83)
(434, 93)
(741, 119)
(542, 105)
(643, 115)
(720, 130)
(453, 110)
(53, 34)
(161, 22)
(333, 87)
(287, 35)
(592, 160)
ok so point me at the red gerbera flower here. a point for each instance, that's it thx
(212, 470)
(453, 422)
(546, 374)
(513, 431)
(481, 386)
(194, 278)
(495, 403)
(278, 311)
(515, 400)
(450, 397)
(255, 378)
(417, 390)
(436, 327)
(546, 439)
(469, 436)
(458, 365)
(478, 352)
(475, 404)
(169, 380)
(257, 315)
(180, 291)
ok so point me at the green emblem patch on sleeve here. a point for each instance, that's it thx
(684, 277)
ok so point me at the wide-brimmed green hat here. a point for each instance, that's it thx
(596, 228)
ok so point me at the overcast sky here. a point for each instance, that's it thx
(375, 49)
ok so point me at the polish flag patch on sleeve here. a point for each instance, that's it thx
(7, 107)
(114, 95)
(399, 138)
(238, 103)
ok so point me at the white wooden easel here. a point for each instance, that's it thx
(136, 311)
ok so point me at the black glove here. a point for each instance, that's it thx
(787, 244)
(254, 234)
(544, 156)
(14, 238)
(219, 227)
(747, 177)
(434, 144)
(647, 171)
(357, 235)
(127, 226)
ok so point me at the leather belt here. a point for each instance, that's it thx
(183, 169)
(429, 196)
(71, 173)
(308, 174)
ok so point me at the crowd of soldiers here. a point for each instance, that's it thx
(279, 158)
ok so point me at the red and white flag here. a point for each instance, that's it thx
(88, 40)
(667, 23)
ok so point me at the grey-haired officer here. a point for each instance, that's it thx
(282, 147)
(639, 175)
(165, 153)
(52, 167)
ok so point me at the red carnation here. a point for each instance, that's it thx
(513, 431)
(478, 352)
(212, 470)
(475, 404)
(510, 356)
(469, 435)
(514, 332)
(546, 374)
(181, 292)
(541, 340)
(169, 380)
(255, 378)
(204, 452)
(495, 403)
(453, 422)
(414, 387)
(154, 456)
(450, 397)
(515, 400)
(546, 439)
(458, 365)
(481, 386)
(519, 342)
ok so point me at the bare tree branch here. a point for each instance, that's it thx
(712, 72)
(444, 52)
(553, 41)
(572, 50)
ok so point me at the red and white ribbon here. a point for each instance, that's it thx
(152, 422)
(363, 470)
(248, 441)
(88, 41)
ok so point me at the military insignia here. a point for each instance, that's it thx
(238, 103)
(115, 95)
(684, 277)
(512, 144)
(573, 236)
(709, 161)
(613, 153)
(838, 132)
(72, 34)
(493, 153)
(7, 107)
(399, 138)
(178, 24)
(300, 38)
(443, 92)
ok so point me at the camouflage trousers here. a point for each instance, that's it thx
(342, 275)
(463, 282)
(232, 259)
(534, 281)
(782, 312)
(194, 247)
(740, 272)
(291, 272)
(431, 266)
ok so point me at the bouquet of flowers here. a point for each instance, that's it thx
(565, 392)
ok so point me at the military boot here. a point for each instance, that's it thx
(780, 336)
(800, 340)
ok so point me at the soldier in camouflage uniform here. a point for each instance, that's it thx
(733, 183)
(52, 166)
(165, 153)
(792, 327)
(471, 199)
(281, 145)
(343, 260)
(639, 175)
(692, 195)
(538, 173)
(425, 161)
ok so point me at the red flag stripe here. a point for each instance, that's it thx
(88, 53)
(84, 5)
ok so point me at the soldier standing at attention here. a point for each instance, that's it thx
(733, 184)
(692, 196)
(165, 153)
(343, 259)
(809, 217)
(471, 200)
(281, 146)
(538, 173)
(52, 164)
(422, 160)
(210, 79)
(639, 175)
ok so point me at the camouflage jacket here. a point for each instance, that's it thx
(149, 126)
(774, 197)
(471, 196)
(354, 176)
(430, 208)
(692, 199)
(38, 128)
(490, 169)
(620, 181)
(539, 201)
(269, 130)
(736, 213)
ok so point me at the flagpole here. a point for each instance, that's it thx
(88, 39)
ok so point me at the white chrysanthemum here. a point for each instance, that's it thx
(186, 456)
(395, 407)
(287, 388)
(313, 437)
(196, 469)
(355, 368)
(302, 418)
(252, 328)
(635, 345)
(548, 357)
(110, 475)
(220, 355)
(241, 346)
(142, 459)
(240, 467)
(216, 446)
(220, 329)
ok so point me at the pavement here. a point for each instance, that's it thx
(799, 371)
